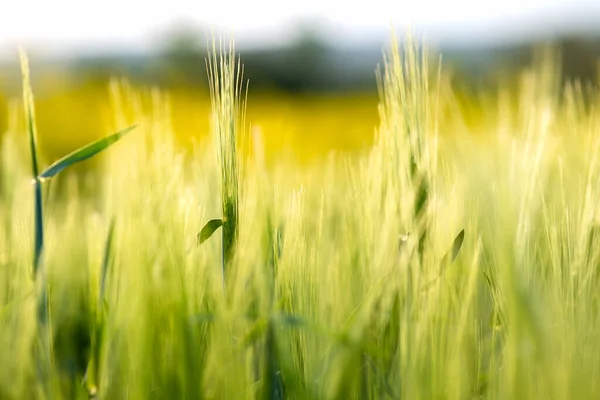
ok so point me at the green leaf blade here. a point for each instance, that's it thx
(38, 226)
(455, 249)
(457, 244)
(106, 260)
(83, 153)
(29, 108)
(208, 230)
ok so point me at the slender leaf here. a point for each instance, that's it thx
(457, 244)
(38, 225)
(448, 258)
(106, 260)
(42, 349)
(210, 228)
(83, 153)
(29, 107)
(274, 388)
(382, 379)
(29, 111)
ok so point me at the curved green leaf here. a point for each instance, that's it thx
(448, 258)
(457, 244)
(451, 255)
(83, 153)
(210, 228)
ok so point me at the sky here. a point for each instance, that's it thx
(66, 24)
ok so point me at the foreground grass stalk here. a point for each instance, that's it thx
(32, 134)
(225, 75)
(42, 347)
(406, 153)
(45, 334)
(407, 129)
(225, 80)
(100, 317)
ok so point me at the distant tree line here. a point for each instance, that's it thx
(309, 64)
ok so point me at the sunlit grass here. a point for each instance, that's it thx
(453, 255)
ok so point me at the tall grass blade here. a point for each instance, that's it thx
(106, 261)
(93, 370)
(29, 107)
(84, 153)
(42, 348)
(382, 379)
(38, 224)
(273, 387)
(29, 111)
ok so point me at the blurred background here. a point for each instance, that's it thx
(311, 64)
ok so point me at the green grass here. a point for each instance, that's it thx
(433, 265)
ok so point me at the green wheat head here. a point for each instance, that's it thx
(225, 73)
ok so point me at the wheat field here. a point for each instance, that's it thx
(452, 255)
